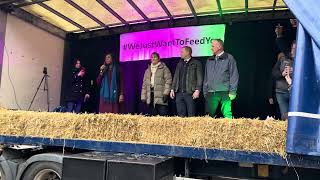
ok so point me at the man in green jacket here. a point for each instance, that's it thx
(187, 83)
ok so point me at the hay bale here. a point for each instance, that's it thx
(252, 135)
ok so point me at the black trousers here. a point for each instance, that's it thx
(185, 105)
(157, 109)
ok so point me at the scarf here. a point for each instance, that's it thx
(109, 94)
(153, 69)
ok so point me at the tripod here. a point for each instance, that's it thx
(45, 88)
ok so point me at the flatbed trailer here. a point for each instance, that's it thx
(187, 161)
(38, 158)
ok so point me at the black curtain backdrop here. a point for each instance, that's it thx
(251, 43)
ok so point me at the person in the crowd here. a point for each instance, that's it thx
(156, 86)
(187, 83)
(220, 80)
(90, 106)
(273, 107)
(111, 86)
(282, 73)
(285, 37)
(78, 93)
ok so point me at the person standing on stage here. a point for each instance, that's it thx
(78, 93)
(285, 37)
(156, 86)
(282, 73)
(187, 83)
(111, 84)
(220, 80)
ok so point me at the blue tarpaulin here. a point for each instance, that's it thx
(304, 111)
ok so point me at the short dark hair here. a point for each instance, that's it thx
(155, 54)
(220, 42)
(188, 48)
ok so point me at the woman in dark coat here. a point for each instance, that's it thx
(110, 82)
(78, 93)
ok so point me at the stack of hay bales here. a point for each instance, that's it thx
(267, 136)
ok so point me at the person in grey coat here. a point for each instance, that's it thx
(156, 86)
(220, 80)
(282, 73)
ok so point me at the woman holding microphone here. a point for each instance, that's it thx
(111, 86)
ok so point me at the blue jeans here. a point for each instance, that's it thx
(74, 106)
(283, 101)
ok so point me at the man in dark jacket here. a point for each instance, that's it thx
(220, 80)
(78, 93)
(187, 83)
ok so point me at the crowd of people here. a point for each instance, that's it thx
(218, 81)
(218, 84)
(283, 69)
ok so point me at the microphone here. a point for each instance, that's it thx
(106, 66)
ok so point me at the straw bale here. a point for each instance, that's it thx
(253, 135)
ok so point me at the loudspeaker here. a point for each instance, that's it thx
(140, 167)
(85, 166)
(116, 166)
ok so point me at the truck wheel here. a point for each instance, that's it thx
(43, 171)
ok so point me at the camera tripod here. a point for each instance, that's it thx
(44, 80)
